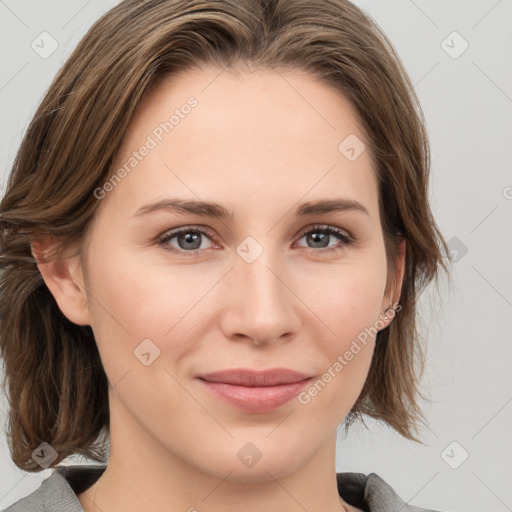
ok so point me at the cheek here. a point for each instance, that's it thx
(348, 300)
(349, 305)
(347, 349)
(135, 301)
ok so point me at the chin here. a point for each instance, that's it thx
(261, 472)
(249, 464)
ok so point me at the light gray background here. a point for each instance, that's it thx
(467, 100)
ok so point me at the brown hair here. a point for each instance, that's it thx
(57, 388)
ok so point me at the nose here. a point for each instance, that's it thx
(260, 307)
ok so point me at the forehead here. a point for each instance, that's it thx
(247, 102)
(250, 133)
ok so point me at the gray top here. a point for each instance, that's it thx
(58, 493)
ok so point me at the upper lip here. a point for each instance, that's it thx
(255, 378)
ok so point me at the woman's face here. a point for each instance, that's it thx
(263, 287)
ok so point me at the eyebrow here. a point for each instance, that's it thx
(215, 210)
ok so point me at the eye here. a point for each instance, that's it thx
(319, 236)
(189, 240)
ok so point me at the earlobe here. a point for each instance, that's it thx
(64, 278)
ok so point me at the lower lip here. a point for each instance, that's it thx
(255, 399)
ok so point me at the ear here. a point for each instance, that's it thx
(64, 278)
(392, 295)
(400, 270)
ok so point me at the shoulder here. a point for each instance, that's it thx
(372, 494)
(58, 492)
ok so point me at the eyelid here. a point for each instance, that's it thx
(330, 228)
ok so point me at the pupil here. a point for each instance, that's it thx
(194, 239)
(318, 238)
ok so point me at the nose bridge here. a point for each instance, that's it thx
(262, 303)
(259, 276)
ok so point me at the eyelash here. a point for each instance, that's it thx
(344, 236)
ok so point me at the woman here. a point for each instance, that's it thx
(213, 238)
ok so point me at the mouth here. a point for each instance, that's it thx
(255, 391)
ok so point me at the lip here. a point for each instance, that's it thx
(255, 391)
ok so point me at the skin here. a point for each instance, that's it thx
(259, 143)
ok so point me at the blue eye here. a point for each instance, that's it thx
(190, 239)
